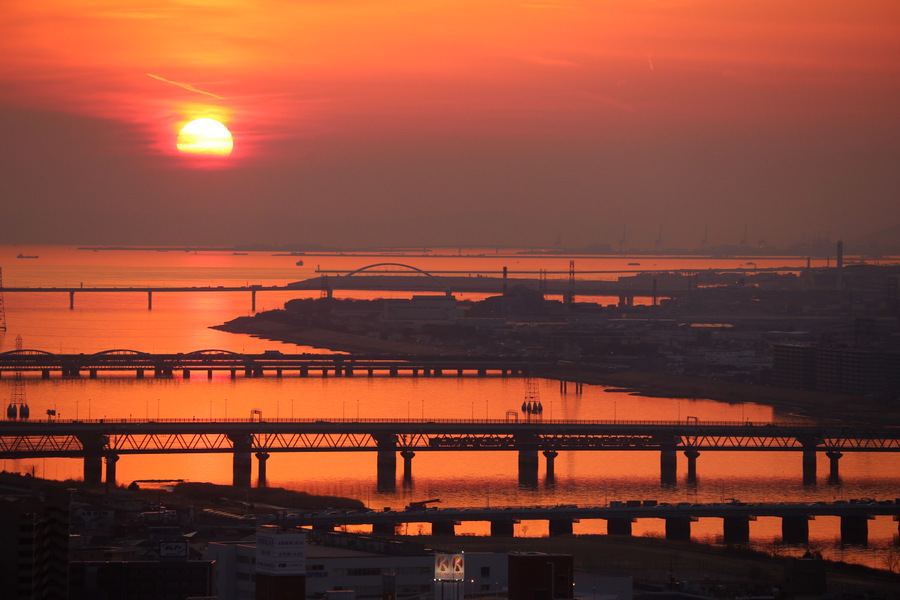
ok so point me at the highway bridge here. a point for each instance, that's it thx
(99, 439)
(257, 365)
(619, 516)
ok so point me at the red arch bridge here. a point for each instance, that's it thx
(108, 439)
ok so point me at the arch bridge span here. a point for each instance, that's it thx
(387, 264)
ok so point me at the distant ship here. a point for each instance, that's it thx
(27, 256)
(299, 263)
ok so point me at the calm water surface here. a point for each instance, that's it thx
(179, 322)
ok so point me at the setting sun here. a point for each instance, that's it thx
(205, 136)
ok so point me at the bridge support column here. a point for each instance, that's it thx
(795, 530)
(111, 460)
(482, 372)
(71, 300)
(692, 456)
(234, 373)
(92, 444)
(92, 374)
(323, 526)
(668, 466)
(407, 465)
(253, 300)
(149, 300)
(209, 373)
(304, 371)
(443, 528)
(140, 373)
(263, 458)
(386, 462)
(678, 528)
(736, 530)
(809, 462)
(528, 468)
(348, 371)
(561, 526)
(392, 372)
(618, 526)
(834, 474)
(241, 462)
(551, 455)
(388, 529)
(503, 528)
(45, 373)
(855, 530)
(186, 373)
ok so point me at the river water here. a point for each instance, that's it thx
(179, 322)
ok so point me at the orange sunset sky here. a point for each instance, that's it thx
(430, 122)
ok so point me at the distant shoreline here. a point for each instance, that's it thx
(804, 404)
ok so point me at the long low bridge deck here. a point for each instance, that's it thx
(619, 516)
(97, 439)
(256, 365)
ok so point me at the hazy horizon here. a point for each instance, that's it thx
(636, 124)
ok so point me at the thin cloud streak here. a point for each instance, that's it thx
(186, 86)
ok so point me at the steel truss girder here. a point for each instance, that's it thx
(137, 443)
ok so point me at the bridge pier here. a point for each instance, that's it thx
(209, 373)
(149, 300)
(443, 528)
(407, 465)
(263, 458)
(45, 373)
(186, 373)
(809, 461)
(139, 373)
(795, 530)
(72, 300)
(392, 372)
(678, 528)
(253, 300)
(241, 462)
(736, 530)
(692, 456)
(855, 530)
(386, 462)
(111, 460)
(618, 526)
(551, 455)
(92, 374)
(482, 372)
(162, 372)
(528, 468)
(304, 371)
(503, 527)
(834, 475)
(92, 445)
(561, 526)
(668, 465)
(384, 529)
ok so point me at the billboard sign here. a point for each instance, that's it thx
(449, 567)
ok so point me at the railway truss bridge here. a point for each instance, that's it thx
(109, 439)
